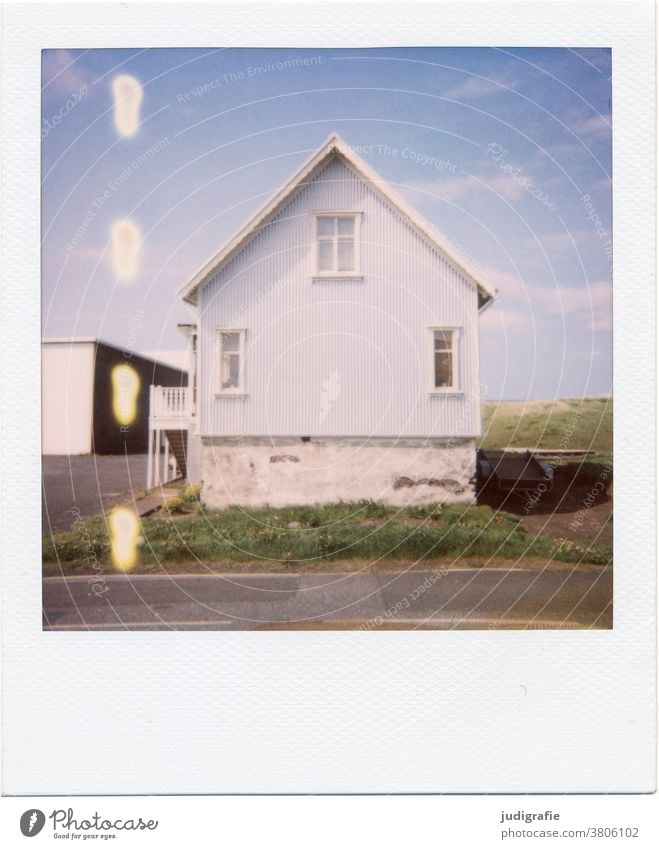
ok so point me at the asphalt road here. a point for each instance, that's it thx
(455, 599)
(90, 483)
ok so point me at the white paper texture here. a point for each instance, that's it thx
(217, 712)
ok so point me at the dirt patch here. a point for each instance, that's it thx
(594, 524)
(579, 505)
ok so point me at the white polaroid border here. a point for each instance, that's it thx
(378, 712)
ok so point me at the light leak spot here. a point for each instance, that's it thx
(125, 389)
(127, 93)
(124, 534)
(125, 248)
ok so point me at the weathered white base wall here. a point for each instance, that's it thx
(256, 473)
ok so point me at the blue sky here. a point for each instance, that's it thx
(506, 151)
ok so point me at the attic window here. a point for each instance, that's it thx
(337, 244)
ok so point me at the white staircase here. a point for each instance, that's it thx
(170, 413)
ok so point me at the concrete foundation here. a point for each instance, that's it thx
(283, 472)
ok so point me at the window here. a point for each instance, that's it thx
(231, 345)
(337, 244)
(445, 359)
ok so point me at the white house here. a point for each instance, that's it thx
(336, 346)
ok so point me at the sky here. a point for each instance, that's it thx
(151, 159)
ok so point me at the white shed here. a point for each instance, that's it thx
(67, 401)
(82, 381)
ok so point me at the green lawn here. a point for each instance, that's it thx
(296, 536)
(563, 424)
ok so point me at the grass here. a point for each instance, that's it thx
(296, 536)
(302, 537)
(581, 423)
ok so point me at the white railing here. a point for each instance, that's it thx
(170, 402)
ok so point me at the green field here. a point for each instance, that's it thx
(567, 424)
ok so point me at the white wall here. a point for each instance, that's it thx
(182, 359)
(339, 357)
(67, 380)
(259, 474)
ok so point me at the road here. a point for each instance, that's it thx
(90, 484)
(453, 599)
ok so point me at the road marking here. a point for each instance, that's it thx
(592, 569)
(517, 623)
(160, 625)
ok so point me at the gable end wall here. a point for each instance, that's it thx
(339, 358)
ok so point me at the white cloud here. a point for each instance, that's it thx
(449, 188)
(62, 72)
(594, 300)
(504, 186)
(474, 87)
(498, 318)
(563, 154)
(602, 324)
(506, 283)
(567, 242)
(457, 188)
(595, 127)
(521, 307)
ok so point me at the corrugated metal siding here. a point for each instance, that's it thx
(339, 357)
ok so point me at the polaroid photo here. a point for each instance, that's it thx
(329, 399)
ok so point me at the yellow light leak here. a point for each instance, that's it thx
(126, 238)
(124, 533)
(127, 93)
(125, 388)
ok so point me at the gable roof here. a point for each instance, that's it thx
(334, 146)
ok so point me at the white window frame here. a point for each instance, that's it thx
(233, 390)
(356, 273)
(456, 350)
